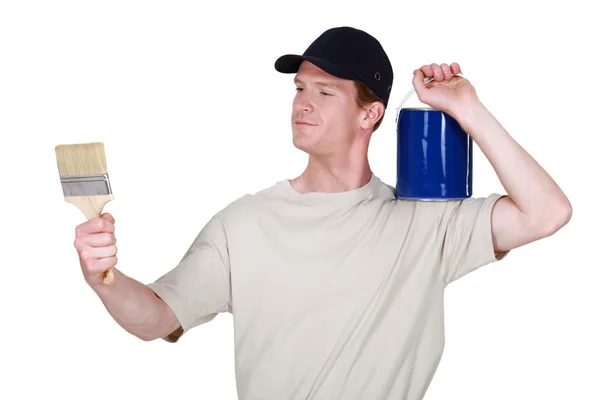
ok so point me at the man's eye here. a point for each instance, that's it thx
(298, 89)
(326, 94)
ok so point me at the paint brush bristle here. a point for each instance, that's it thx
(81, 159)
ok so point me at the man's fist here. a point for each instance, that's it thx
(95, 242)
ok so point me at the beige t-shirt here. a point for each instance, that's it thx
(333, 295)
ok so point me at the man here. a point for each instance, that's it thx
(335, 286)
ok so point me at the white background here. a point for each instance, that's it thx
(193, 115)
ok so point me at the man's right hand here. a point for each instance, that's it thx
(95, 242)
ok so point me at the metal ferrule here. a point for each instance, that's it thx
(86, 185)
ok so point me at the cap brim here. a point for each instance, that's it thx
(290, 63)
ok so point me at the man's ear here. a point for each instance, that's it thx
(371, 115)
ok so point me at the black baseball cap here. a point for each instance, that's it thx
(346, 53)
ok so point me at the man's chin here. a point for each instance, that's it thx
(302, 144)
(302, 147)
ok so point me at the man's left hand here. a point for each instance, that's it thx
(447, 92)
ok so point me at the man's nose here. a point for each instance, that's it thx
(303, 101)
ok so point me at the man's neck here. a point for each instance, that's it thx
(332, 176)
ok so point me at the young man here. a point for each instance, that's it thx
(336, 287)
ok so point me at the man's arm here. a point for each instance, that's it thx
(535, 207)
(133, 305)
(137, 308)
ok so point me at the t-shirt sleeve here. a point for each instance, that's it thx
(198, 288)
(466, 236)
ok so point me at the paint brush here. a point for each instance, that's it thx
(84, 179)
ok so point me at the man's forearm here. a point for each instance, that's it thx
(529, 186)
(136, 307)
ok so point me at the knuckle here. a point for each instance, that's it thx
(90, 264)
(78, 242)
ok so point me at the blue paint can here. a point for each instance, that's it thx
(434, 158)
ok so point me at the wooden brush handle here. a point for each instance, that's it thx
(92, 206)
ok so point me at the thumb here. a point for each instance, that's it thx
(108, 217)
(419, 82)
